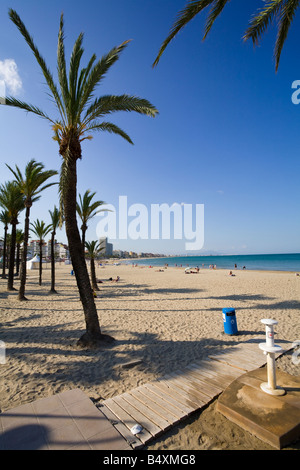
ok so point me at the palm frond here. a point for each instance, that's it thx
(46, 72)
(84, 74)
(215, 11)
(32, 183)
(11, 101)
(61, 68)
(40, 229)
(85, 208)
(261, 20)
(73, 76)
(281, 10)
(286, 17)
(4, 217)
(93, 248)
(11, 199)
(109, 127)
(183, 18)
(97, 73)
(108, 104)
(55, 218)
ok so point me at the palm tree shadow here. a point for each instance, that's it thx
(94, 368)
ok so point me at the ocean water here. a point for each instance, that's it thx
(279, 262)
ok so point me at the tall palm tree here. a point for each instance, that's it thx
(55, 220)
(31, 185)
(41, 231)
(4, 218)
(12, 200)
(93, 250)
(19, 241)
(282, 12)
(79, 114)
(86, 209)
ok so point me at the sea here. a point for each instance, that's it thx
(276, 262)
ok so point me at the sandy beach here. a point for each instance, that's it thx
(165, 319)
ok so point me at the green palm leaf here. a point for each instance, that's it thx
(32, 183)
(283, 11)
(183, 18)
(10, 101)
(46, 72)
(215, 11)
(97, 73)
(40, 229)
(108, 104)
(55, 218)
(62, 69)
(109, 127)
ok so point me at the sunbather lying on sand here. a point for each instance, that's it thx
(110, 279)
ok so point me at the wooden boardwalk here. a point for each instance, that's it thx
(161, 404)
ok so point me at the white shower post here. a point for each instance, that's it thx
(270, 349)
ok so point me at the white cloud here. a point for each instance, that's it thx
(10, 76)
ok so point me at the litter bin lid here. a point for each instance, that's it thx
(229, 311)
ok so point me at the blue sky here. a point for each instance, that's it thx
(226, 135)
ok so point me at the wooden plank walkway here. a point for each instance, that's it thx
(161, 404)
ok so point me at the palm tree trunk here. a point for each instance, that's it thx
(21, 295)
(18, 259)
(4, 252)
(41, 261)
(83, 230)
(10, 282)
(93, 332)
(52, 290)
(93, 275)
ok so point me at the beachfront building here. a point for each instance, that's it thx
(60, 249)
(118, 253)
(56, 249)
(34, 248)
(63, 251)
(107, 247)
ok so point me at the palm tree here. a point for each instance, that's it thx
(86, 211)
(79, 114)
(55, 220)
(93, 250)
(31, 185)
(280, 11)
(19, 241)
(41, 231)
(4, 218)
(12, 200)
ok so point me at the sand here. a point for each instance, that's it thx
(165, 319)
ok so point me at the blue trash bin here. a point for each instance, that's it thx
(229, 319)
